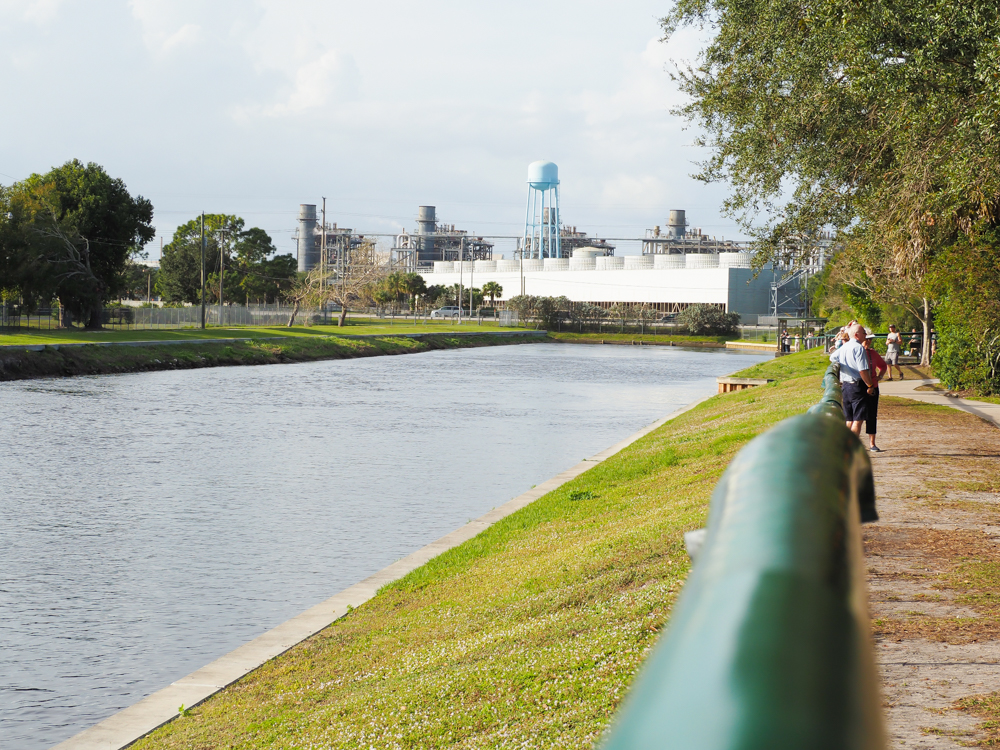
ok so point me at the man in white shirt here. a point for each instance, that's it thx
(855, 377)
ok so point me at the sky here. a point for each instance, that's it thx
(253, 107)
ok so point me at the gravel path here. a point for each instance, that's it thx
(935, 604)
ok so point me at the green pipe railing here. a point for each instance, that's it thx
(769, 645)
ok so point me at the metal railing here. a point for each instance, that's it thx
(769, 644)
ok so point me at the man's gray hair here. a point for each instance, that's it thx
(855, 328)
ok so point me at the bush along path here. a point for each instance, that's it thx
(525, 636)
(19, 364)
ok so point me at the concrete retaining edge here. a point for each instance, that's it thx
(42, 347)
(133, 723)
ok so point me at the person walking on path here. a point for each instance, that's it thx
(855, 377)
(878, 370)
(893, 345)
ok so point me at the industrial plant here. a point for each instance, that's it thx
(678, 266)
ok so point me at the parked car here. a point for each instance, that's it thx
(449, 311)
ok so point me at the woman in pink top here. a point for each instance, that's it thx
(878, 368)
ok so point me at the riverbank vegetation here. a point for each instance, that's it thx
(527, 635)
(356, 327)
(877, 121)
(19, 364)
(678, 339)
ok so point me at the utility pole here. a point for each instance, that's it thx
(203, 269)
(323, 262)
(222, 270)
(461, 269)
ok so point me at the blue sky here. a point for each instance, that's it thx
(254, 107)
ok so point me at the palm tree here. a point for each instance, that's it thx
(492, 290)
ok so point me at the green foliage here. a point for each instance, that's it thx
(704, 320)
(866, 310)
(71, 233)
(879, 117)
(251, 274)
(492, 289)
(967, 278)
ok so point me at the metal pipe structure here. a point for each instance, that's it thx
(769, 645)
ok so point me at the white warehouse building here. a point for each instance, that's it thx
(667, 282)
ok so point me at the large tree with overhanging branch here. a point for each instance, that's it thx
(878, 118)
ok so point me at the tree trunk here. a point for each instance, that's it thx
(295, 311)
(343, 316)
(925, 348)
(94, 318)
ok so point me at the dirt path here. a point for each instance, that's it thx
(934, 574)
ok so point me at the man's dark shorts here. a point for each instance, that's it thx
(855, 401)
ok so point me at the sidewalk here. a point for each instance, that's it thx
(934, 567)
(906, 389)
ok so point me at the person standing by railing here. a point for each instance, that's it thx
(855, 377)
(878, 370)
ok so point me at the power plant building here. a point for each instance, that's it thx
(666, 283)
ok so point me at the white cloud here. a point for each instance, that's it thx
(187, 35)
(317, 83)
(168, 24)
(38, 12)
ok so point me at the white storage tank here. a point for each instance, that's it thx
(556, 264)
(735, 260)
(464, 266)
(610, 263)
(587, 252)
(443, 266)
(636, 262)
(486, 266)
(508, 266)
(701, 260)
(533, 264)
(582, 264)
(671, 260)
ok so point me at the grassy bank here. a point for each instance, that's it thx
(355, 327)
(99, 360)
(525, 636)
(628, 338)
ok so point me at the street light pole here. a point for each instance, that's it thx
(323, 263)
(222, 271)
(203, 269)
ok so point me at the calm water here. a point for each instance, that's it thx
(150, 523)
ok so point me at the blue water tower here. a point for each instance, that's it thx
(541, 217)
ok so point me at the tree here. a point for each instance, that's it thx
(249, 271)
(71, 233)
(353, 277)
(875, 118)
(966, 278)
(708, 320)
(492, 290)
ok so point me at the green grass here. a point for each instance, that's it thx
(527, 635)
(679, 340)
(357, 327)
(809, 362)
(95, 360)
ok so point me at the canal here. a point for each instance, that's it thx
(150, 523)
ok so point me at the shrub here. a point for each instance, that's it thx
(708, 320)
(967, 318)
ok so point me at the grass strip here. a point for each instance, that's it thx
(527, 635)
(103, 360)
(627, 338)
(354, 327)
